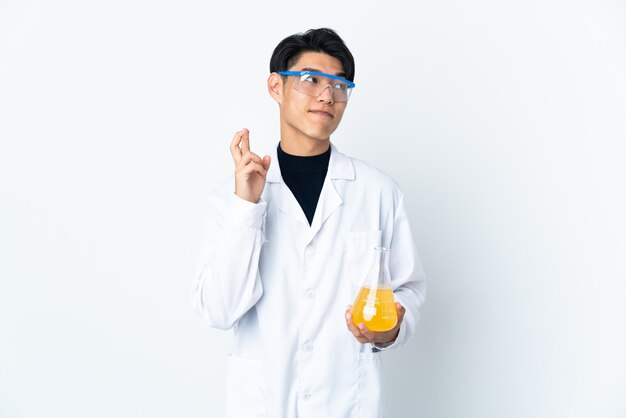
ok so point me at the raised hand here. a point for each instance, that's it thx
(250, 169)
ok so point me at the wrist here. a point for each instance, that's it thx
(246, 196)
(388, 343)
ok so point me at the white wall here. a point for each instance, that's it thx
(504, 122)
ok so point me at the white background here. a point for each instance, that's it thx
(504, 122)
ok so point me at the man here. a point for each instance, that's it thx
(287, 251)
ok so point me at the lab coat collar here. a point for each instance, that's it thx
(339, 166)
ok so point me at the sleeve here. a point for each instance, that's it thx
(227, 281)
(407, 277)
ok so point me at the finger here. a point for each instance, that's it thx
(401, 311)
(350, 324)
(357, 334)
(245, 141)
(235, 151)
(356, 331)
(353, 328)
(366, 333)
(248, 157)
(253, 167)
(266, 162)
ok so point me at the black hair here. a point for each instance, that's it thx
(322, 40)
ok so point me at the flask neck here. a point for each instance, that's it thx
(382, 263)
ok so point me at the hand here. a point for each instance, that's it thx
(364, 335)
(250, 169)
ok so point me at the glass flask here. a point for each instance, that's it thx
(375, 306)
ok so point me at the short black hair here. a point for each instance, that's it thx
(323, 40)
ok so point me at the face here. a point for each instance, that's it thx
(306, 119)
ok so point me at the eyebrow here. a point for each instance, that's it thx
(339, 74)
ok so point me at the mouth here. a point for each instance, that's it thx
(322, 113)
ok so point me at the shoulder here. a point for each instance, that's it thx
(371, 176)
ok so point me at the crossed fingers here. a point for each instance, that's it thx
(246, 162)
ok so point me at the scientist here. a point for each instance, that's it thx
(286, 248)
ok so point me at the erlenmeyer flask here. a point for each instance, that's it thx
(374, 305)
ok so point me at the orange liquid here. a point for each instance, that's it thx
(376, 309)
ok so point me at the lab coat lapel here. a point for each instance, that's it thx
(339, 168)
(286, 201)
(288, 204)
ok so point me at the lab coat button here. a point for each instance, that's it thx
(308, 347)
(310, 295)
(306, 396)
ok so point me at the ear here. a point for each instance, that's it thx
(275, 86)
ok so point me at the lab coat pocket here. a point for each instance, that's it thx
(246, 387)
(359, 255)
(369, 390)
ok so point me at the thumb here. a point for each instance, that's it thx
(266, 162)
(400, 309)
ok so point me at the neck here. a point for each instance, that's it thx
(297, 143)
(304, 148)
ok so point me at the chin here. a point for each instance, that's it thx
(320, 135)
(321, 138)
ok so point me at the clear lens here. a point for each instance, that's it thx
(314, 85)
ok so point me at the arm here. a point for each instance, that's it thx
(227, 282)
(409, 283)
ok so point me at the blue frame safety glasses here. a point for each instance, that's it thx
(313, 83)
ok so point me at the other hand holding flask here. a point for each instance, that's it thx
(374, 305)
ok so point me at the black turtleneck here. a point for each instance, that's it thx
(305, 178)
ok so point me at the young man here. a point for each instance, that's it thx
(287, 252)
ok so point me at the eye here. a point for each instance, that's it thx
(341, 86)
(309, 79)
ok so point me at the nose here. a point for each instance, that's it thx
(326, 95)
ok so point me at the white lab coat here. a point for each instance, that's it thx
(283, 286)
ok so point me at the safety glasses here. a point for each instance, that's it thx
(313, 83)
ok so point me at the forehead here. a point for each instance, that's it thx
(319, 62)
